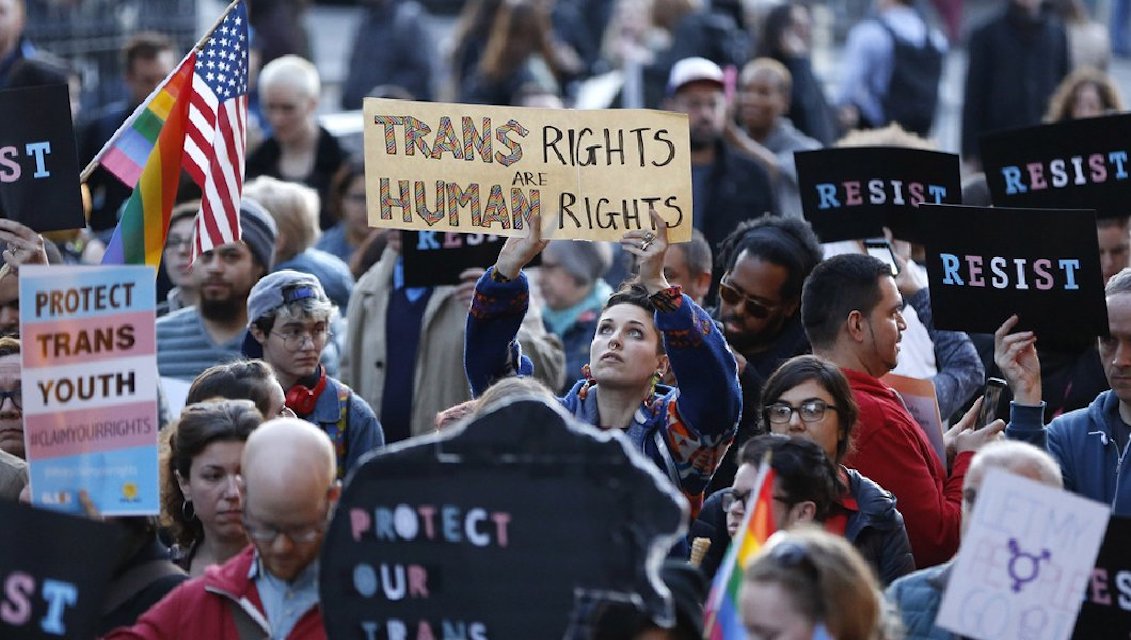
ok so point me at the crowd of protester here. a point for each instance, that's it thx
(306, 349)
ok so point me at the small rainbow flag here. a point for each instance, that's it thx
(723, 620)
(140, 235)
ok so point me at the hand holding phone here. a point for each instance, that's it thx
(990, 399)
(881, 249)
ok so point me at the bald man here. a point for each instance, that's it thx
(271, 588)
(919, 595)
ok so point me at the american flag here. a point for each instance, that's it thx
(216, 136)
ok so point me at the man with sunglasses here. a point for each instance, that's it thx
(765, 263)
(290, 487)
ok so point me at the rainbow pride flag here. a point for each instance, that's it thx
(723, 620)
(140, 235)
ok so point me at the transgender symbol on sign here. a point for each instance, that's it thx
(1024, 567)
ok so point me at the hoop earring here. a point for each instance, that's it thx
(650, 399)
(587, 374)
(187, 511)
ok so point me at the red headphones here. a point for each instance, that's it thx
(301, 398)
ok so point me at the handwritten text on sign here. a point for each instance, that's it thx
(1024, 562)
(475, 169)
(89, 386)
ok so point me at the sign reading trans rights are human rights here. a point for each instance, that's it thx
(592, 175)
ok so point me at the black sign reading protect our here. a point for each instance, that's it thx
(1079, 164)
(54, 569)
(523, 523)
(852, 193)
(986, 264)
(39, 172)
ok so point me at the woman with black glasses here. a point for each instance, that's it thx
(810, 398)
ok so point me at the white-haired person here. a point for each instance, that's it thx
(919, 595)
(299, 149)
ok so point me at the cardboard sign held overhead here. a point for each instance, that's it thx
(523, 521)
(852, 193)
(483, 169)
(1025, 557)
(39, 167)
(54, 569)
(1080, 164)
(986, 264)
(89, 361)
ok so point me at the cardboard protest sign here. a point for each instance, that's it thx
(1080, 164)
(1025, 557)
(922, 403)
(53, 572)
(986, 264)
(852, 193)
(1106, 612)
(39, 167)
(522, 519)
(90, 381)
(485, 169)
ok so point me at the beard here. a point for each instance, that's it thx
(222, 309)
(703, 138)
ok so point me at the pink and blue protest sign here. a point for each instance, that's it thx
(89, 358)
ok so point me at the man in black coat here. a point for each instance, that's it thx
(1016, 62)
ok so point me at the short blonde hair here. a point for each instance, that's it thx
(295, 209)
(292, 71)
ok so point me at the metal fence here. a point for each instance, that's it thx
(89, 34)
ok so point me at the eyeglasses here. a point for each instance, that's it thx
(752, 306)
(296, 338)
(14, 396)
(176, 242)
(732, 498)
(298, 535)
(809, 411)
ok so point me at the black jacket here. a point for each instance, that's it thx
(738, 189)
(1016, 62)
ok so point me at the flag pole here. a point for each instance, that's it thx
(85, 175)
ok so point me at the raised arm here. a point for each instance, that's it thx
(498, 306)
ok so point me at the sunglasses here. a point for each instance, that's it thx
(752, 306)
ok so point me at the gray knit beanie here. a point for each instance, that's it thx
(258, 232)
(585, 261)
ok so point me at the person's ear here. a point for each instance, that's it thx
(702, 284)
(183, 483)
(803, 512)
(664, 365)
(791, 307)
(258, 334)
(334, 493)
(855, 325)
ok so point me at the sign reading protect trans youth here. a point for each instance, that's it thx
(1080, 164)
(89, 357)
(592, 175)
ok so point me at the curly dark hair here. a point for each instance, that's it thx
(788, 242)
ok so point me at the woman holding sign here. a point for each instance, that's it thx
(645, 328)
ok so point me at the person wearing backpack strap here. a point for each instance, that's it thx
(289, 317)
(891, 68)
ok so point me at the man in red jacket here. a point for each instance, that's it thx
(852, 312)
(271, 588)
